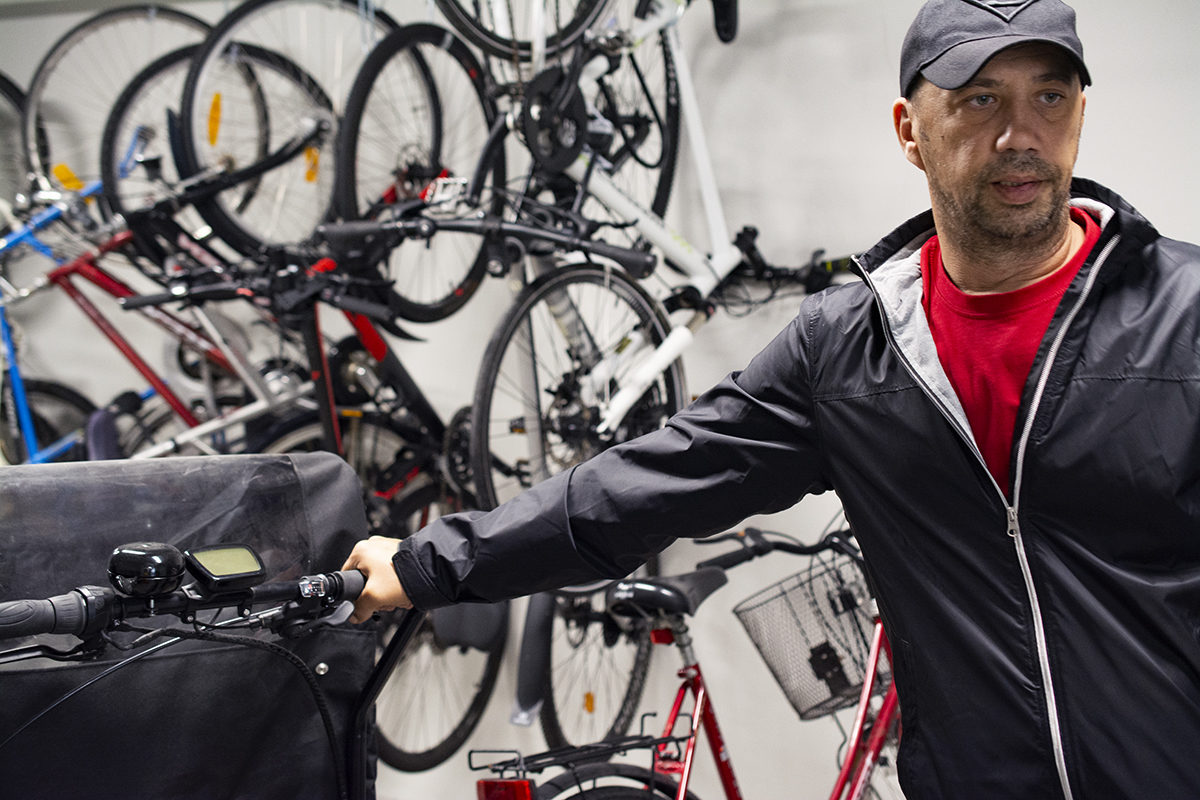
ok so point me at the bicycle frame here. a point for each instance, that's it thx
(202, 337)
(702, 715)
(704, 273)
(862, 756)
(27, 234)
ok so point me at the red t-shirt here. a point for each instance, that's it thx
(987, 342)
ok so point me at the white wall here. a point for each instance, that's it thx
(797, 112)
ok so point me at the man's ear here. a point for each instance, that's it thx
(905, 124)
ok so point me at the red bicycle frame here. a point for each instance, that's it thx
(861, 757)
(702, 714)
(85, 267)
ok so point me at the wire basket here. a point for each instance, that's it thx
(814, 631)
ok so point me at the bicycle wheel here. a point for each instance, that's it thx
(78, 80)
(417, 120)
(640, 99)
(505, 28)
(136, 163)
(57, 411)
(550, 370)
(370, 443)
(614, 781)
(12, 160)
(436, 695)
(598, 668)
(271, 71)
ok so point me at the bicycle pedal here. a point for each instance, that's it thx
(668, 766)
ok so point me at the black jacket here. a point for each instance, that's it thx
(1047, 644)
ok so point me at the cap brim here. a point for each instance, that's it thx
(955, 68)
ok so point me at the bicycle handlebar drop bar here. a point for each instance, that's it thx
(354, 236)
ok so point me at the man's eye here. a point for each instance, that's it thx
(982, 100)
(1052, 98)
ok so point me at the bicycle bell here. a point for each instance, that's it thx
(145, 569)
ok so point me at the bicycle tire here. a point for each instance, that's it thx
(57, 411)
(436, 696)
(597, 673)
(141, 110)
(69, 97)
(12, 161)
(611, 781)
(370, 444)
(477, 24)
(311, 50)
(420, 110)
(528, 424)
(640, 98)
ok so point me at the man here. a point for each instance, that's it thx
(1008, 406)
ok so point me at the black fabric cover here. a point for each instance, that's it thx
(196, 719)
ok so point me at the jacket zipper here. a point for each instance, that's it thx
(1013, 526)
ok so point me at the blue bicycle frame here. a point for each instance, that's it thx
(27, 235)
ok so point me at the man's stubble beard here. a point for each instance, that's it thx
(969, 221)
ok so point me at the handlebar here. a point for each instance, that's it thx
(353, 237)
(286, 292)
(755, 543)
(88, 610)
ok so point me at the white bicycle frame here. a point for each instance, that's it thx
(704, 273)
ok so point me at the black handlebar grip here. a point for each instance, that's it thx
(727, 560)
(63, 613)
(352, 584)
(725, 19)
(637, 263)
(143, 300)
(356, 305)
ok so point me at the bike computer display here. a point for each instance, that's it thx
(225, 567)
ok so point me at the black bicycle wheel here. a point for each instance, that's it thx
(57, 411)
(550, 370)
(369, 440)
(504, 28)
(12, 160)
(80, 77)
(639, 97)
(282, 68)
(614, 781)
(435, 697)
(137, 166)
(416, 124)
(598, 668)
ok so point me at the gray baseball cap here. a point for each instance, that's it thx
(950, 40)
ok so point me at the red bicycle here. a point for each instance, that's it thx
(818, 632)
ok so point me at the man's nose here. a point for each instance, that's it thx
(1020, 130)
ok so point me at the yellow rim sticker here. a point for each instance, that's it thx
(312, 159)
(214, 119)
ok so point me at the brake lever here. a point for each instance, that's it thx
(295, 629)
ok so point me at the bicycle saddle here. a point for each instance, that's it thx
(678, 594)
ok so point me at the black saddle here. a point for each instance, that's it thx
(678, 594)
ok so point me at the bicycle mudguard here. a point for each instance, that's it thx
(102, 437)
(533, 664)
(196, 719)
